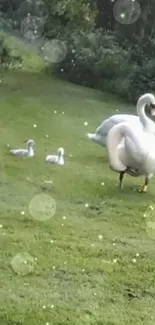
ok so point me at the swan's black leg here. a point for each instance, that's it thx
(121, 176)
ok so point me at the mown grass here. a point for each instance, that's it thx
(85, 267)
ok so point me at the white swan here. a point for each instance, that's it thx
(100, 135)
(29, 152)
(137, 152)
(56, 159)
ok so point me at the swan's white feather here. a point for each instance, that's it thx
(100, 135)
(137, 151)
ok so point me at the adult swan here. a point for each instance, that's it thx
(137, 151)
(142, 120)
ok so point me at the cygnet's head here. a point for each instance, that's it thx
(148, 100)
(60, 151)
(30, 143)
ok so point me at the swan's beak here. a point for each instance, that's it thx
(152, 107)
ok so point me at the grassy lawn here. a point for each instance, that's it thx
(96, 266)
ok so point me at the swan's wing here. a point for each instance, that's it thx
(106, 125)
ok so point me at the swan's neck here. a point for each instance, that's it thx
(114, 139)
(141, 113)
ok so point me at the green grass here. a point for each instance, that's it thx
(74, 279)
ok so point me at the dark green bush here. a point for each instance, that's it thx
(94, 59)
(97, 60)
(142, 79)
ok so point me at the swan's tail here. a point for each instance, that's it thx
(91, 136)
(114, 138)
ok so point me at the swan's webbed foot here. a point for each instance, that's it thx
(143, 189)
(145, 186)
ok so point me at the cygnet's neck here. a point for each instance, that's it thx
(60, 156)
(30, 151)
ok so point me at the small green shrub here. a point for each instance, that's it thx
(7, 57)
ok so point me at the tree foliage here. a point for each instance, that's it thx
(66, 16)
(103, 51)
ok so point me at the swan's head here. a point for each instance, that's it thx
(30, 143)
(60, 151)
(148, 100)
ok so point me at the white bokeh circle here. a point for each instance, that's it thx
(42, 207)
(126, 11)
(32, 27)
(23, 263)
(54, 51)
